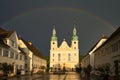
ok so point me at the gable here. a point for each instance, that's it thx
(64, 46)
(13, 36)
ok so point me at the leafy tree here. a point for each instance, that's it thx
(79, 69)
(48, 62)
(7, 68)
(42, 67)
(80, 58)
(116, 67)
(105, 70)
(88, 70)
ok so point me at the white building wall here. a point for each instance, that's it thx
(29, 55)
(91, 53)
(108, 53)
(13, 50)
(85, 61)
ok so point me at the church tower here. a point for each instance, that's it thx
(74, 39)
(54, 42)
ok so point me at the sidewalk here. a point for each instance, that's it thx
(22, 77)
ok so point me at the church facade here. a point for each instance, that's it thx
(64, 57)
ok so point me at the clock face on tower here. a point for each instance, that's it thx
(53, 43)
(74, 42)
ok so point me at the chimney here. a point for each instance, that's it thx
(104, 36)
(30, 42)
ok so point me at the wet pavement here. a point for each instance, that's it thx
(67, 76)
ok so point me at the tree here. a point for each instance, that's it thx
(116, 67)
(7, 68)
(79, 69)
(48, 63)
(89, 69)
(105, 70)
(43, 67)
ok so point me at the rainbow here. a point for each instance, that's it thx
(61, 8)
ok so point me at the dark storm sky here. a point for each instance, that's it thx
(33, 20)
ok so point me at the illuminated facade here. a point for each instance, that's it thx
(19, 54)
(9, 51)
(64, 57)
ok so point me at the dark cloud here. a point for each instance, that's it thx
(34, 20)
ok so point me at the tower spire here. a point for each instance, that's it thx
(54, 38)
(74, 30)
(74, 37)
(54, 31)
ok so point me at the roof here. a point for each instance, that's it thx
(103, 37)
(5, 34)
(2, 43)
(111, 37)
(22, 51)
(33, 49)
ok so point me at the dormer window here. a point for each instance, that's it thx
(13, 43)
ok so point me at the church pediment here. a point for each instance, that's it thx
(64, 46)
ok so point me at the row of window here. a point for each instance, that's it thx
(19, 67)
(65, 48)
(115, 47)
(36, 66)
(11, 54)
(37, 59)
(60, 54)
(59, 57)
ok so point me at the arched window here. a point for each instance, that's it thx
(69, 56)
(59, 57)
(53, 54)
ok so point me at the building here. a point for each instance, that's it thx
(28, 56)
(38, 61)
(105, 54)
(88, 59)
(108, 54)
(34, 61)
(19, 54)
(9, 51)
(64, 56)
(85, 61)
